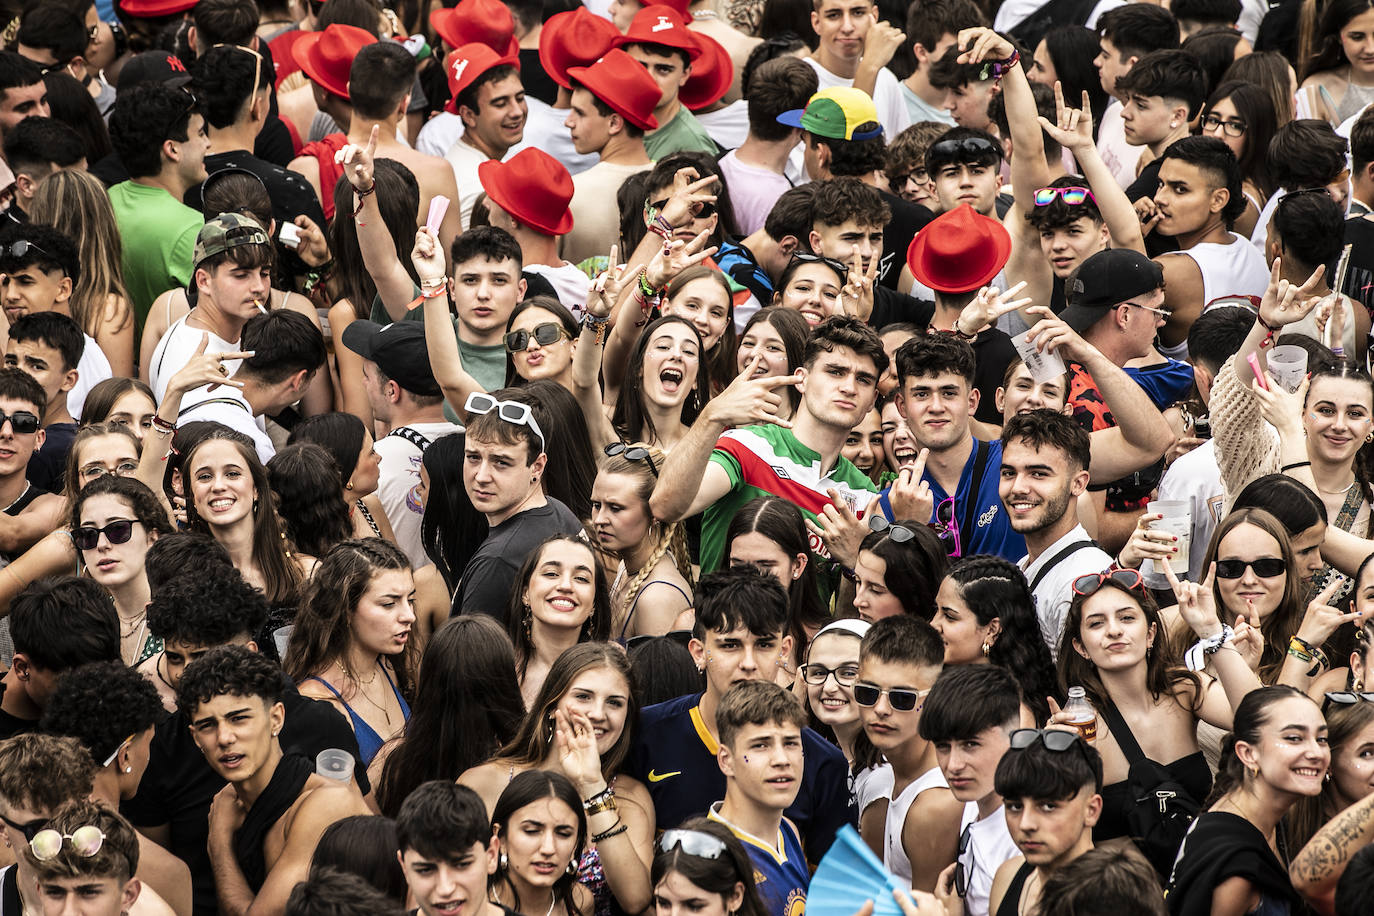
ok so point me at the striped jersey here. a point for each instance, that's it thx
(768, 460)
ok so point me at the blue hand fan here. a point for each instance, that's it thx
(848, 875)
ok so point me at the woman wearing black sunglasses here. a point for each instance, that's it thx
(539, 342)
(1148, 703)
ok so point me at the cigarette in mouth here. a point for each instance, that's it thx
(258, 303)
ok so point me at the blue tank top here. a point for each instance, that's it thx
(369, 742)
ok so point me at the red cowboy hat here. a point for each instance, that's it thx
(487, 21)
(533, 187)
(661, 25)
(574, 39)
(326, 57)
(959, 251)
(622, 83)
(463, 66)
(712, 74)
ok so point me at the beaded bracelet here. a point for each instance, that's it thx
(998, 68)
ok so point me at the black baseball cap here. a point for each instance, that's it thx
(153, 67)
(399, 351)
(1106, 280)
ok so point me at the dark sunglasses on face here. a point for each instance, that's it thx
(632, 453)
(22, 422)
(902, 700)
(1265, 568)
(118, 532)
(546, 335)
(1089, 584)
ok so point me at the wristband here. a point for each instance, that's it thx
(644, 286)
(619, 828)
(601, 801)
(1294, 466)
(593, 323)
(1303, 650)
(1269, 336)
(435, 293)
(163, 425)
(1196, 657)
(1338, 352)
(958, 332)
(998, 68)
(362, 195)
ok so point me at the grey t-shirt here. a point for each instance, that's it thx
(487, 581)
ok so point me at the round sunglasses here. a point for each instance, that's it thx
(86, 842)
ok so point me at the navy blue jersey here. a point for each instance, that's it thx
(780, 873)
(675, 757)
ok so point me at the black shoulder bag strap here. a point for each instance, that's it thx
(1054, 560)
(1122, 733)
(980, 466)
(411, 436)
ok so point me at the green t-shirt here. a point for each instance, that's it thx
(158, 233)
(768, 460)
(682, 134)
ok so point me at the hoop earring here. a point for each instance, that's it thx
(987, 649)
(572, 866)
(502, 863)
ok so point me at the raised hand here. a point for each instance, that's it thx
(1285, 302)
(856, 296)
(1073, 127)
(313, 248)
(1248, 640)
(881, 42)
(689, 192)
(428, 258)
(1148, 214)
(676, 256)
(1331, 312)
(606, 288)
(358, 161)
(1281, 410)
(1196, 602)
(1322, 618)
(1145, 543)
(205, 369)
(989, 305)
(1051, 333)
(575, 742)
(910, 495)
(980, 44)
(840, 529)
(751, 400)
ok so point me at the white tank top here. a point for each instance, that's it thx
(894, 853)
(1236, 269)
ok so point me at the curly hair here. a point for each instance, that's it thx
(229, 671)
(309, 494)
(209, 608)
(518, 615)
(44, 772)
(907, 151)
(101, 705)
(141, 501)
(168, 556)
(996, 588)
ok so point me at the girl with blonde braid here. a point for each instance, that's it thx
(650, 590)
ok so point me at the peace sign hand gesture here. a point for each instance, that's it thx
(856, 296)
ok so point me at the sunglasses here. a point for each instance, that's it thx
(1072, 196)
(1265, 568)
(512, 412)
(29, 830)
(1339, 697)
(1054, 739)
(947, 529)
(20, 249)
(974, 149)
(118, 532)
(681, 637)
(1232, 126)
(898, 534)
(546, 335)
(839, 267)
(845, 675)
(631, 453)
(1089, 584)
(257, 67)
(115, 753)
(22, 422)
(176, 119)
(1166, 314)
(703, 209)
(902, 699)
(960, 873)
(693, 842)
(86, 842)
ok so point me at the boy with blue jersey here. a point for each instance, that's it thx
(761, 756)
(739, 636)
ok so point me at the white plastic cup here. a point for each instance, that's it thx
(1178, 521)
(1288, 366)
(1043, 367)
(335, 764)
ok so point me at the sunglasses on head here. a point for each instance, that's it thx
(512, 412)
(805, 257)
(86, 842)
(947, 529)
(898, 534)
(546, 335)
(1072, 196)
(693, 842)
(632, 453)
(21, 249)
(257, 67)
(1089, 584)
(183, 112)
(901, 698)
(681, 637)
(1346, 698)
(118, 532)
(968, 149)
(29, 830)
(22, 422)
(1265, 568)
(1054, 739)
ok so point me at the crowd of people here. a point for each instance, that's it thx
(590, 458)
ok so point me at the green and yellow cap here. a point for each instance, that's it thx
(837, 114)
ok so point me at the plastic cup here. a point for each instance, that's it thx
(1288, 366)
(335, 764)
(1178, 521)
(1043, 367)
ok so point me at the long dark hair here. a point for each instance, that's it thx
(340, 434)
(467, 706)
(451, 528)
(555, 308)
(570, 468)
(1328, 53)
(631, 421)
(714, 876)
(993, 587)
(526, 788)
(363, 845)
(1251, 716)
(914, 567)
(793, 330)
(272, 550)
(1255, 108)
(597, 626)
(103, 396)
(1072, 49)
(781, 522)
(398, 197)
(530, 747)
(324, 623)
(309, 497)
(721, 358)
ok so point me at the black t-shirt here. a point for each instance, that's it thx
(1359, 277)
(490, 574)
(907, 220)
(890, 306)
(48, 466)
(11, 725)
(992, 351)
(536, 81)
(179, 784)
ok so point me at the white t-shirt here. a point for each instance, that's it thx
(439, 133)
(400, 476)
(1013, 13)
(175, 350)
(1196, 477)
(465, 159)
(989, 845)
(728, 126)
(93, 369)
(1054, 592)
(1118, 155)
(887, 97)
(569, 283)
(227, 405)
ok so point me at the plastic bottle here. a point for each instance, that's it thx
(1083, 716)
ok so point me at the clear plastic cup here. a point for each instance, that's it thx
(1043, 367)
(1288, 366)
(335, 764)
(1178, 521)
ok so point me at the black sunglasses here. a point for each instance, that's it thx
(960, 873)
(902, 699)
(838, 266)
(632, 453)
(118, 532)
(1265, 568)
(704, 209)
(546, 335)
(899, 534)
(20, 249)
(22, 422)
(681, 637)
(29, 830)
(969, 149)
(1054, 739)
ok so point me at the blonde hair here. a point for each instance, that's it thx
(75, 203)
(672, 539)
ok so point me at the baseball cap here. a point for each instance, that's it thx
(399, 351)
(228, 230)
(836, 113)
(1106, 280)
(153, 67)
